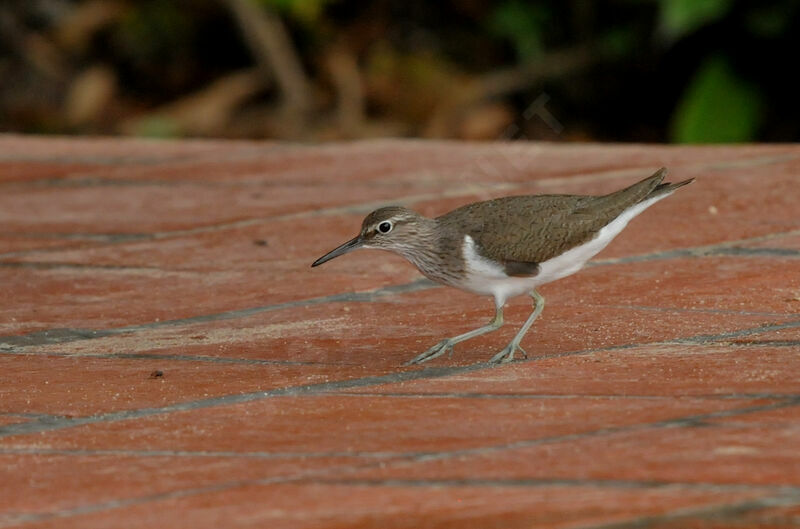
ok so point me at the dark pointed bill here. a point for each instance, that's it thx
(353, 244)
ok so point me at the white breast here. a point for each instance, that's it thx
(488, 278)
(485, 277)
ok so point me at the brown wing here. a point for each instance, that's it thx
(523, 231)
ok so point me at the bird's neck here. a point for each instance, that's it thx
(431, 250)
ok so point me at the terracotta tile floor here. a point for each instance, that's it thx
(169, 359)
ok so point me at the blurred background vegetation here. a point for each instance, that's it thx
(681, 71)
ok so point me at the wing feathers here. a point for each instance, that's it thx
(523, 231)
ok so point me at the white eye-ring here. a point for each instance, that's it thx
(385, 227)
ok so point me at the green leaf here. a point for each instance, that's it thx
(521, 23)
(717, 107)
(681, 17)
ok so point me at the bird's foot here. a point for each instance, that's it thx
(437, 350)
(507, 354)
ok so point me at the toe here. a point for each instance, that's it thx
(437, 350)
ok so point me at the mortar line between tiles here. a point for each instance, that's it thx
(702, 339)
(562, 396)
(765, 343)
(438, 482)
(176, 358)
(697, 340)
(678, 422)
(682, 421)
(706, 512)
(738, 251)
(690, 310)
(181, 493)
(464, 190)
(779, 402)
(328, 387)
(75, 334)
(227, 400)
(71, 335)
(113, 238)
(307, 475)
(15, 520)
(406, 459)
(719, 249)
(788, 490)
(700, 251)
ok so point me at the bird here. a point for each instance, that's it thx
(506, 247)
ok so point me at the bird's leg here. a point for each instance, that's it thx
(507, 354)
(447, 344)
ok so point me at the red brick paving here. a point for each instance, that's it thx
(729, 453)
(66, 479)
(662, 388)
(404, 507)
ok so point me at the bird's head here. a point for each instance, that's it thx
(391, 228)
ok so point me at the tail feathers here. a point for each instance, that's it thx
(667, 188)
(622, 199)
(610, 206)
(641, 189)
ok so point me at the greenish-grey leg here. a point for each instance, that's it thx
(447, 344)
(507, 354)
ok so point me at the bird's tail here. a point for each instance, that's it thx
(666, 188)
(651, 187)
(642, 191)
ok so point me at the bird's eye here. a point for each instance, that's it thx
(385, 227)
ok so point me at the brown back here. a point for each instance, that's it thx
(532, 229)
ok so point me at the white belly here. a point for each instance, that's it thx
(487, 278)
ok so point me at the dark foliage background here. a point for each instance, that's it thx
(313, 70)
